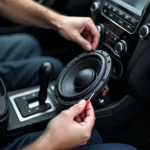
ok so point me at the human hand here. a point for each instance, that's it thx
(80, 30)
(65, 132)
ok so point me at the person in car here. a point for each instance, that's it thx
(20, 60)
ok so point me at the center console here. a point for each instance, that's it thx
(86, 74)
(119, 23)
(101, 72)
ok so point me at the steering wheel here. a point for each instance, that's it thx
(10, 27)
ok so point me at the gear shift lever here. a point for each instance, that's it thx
(28, 104)
(45, 74)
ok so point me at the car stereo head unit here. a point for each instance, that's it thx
(127, 14)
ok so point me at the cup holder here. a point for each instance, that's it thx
(117, 69)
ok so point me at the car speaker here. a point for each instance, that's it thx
(86, 74)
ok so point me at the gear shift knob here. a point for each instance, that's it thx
(45, 74)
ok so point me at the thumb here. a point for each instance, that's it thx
(77, 109)
(83, 42)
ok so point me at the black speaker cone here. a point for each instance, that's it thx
(82, 76)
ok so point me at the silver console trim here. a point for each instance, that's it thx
(147, 31)
(20, 117)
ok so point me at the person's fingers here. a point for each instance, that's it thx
(94, 34)
(90, 111)
(75, 110)
(89, 38)
(78, 119)
(89, 121)
(85, 44)
(95, 41)
(83, 115)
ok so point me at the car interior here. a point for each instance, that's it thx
(117, 73)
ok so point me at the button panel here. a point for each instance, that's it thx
(115, 10)
(121, 13)
(134, 21)
(120, 21)
(112, 16)
(111, 36)
(123, 19)
(130, 27)
(127, 17)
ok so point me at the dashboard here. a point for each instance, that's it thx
(126, 14)
(121, 24)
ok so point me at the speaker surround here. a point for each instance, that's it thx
(86, 74)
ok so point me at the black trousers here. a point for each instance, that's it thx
(20, 60)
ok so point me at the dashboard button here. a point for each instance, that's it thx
(113, 37)
(107, 32)
(110, 7)
(120, 21)
(115, 10)
(111, 15)
(121, 13)
(127, 17)
(129, 27)
(134, 21)
(106, 4)
(105, 11)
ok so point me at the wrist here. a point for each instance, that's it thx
(55, 20)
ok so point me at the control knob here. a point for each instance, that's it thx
(95, 6)
(144, 31)
(121, 47)
(101, 28)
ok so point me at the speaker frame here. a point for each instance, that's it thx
(95, 90)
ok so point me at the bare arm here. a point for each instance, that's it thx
(72, 28)
(29, 12)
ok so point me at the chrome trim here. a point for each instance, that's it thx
(95, 6)
(122, 50)
(147, 31)
(20, 117)
(125, 45)
(121, 46)
(99, 28)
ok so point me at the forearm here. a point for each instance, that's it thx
(29, 12)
